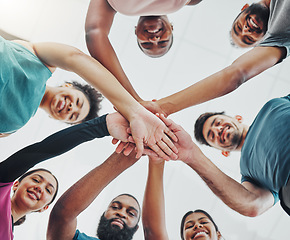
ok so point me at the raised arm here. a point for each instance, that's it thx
(99, 20)
(223, 82)
(52, 146)
(153, 203)
(245, 198)
(146, 128)
(63, 218)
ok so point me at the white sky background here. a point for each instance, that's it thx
(201, 47)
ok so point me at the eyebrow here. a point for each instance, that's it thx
(190, 221)
(42, 178)
(130, 207)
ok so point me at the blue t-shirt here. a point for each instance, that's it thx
(278, 33)
(265, 155)
(83, 236)
(22, 85)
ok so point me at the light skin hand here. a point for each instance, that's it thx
(153, 106)
(149, 130)
(245, 198)
(117, 126)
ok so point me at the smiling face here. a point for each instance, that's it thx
(199, 227)
(68, 104)
(154, 35)
(250, 26)
(223, 132)
(123, 210)
(35, 191)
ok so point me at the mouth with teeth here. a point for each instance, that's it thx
(224, 134)
(33, 195)
(61, 105)
(196, 235)
(252, 23)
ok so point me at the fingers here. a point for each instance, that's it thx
(115, 141)
(139, 147)
(120, 147)
(167, 145)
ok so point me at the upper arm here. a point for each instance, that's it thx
(263, 199)
(100, 17)
(194, 2)
(257, 60)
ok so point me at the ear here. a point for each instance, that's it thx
(43, 209)
(245, 7)
(226, 153)
(219, 235)
(15, 186)
(67, 85)
(239, 118)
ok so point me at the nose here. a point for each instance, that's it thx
(197, 225)
(217, 130)
(246, 30)
(121, 213)
(154, 39)
(38, 188)
(70, 107)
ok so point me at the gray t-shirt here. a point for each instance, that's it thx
(278, 33)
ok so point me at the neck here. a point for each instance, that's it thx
(244, 134)
(16, 211)
(266, 2)
(46, 98)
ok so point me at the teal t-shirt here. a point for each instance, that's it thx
(22, 85)
(83, 236)
(265, 155)
(278, 33)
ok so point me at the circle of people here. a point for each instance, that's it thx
(142, 127)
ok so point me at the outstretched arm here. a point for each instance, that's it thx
(99, 20)
(245, 198)
(54, 145)
(223, 82)
(153, 203)
(146, 128)
(63, 217)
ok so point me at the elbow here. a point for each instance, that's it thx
(237, 76)
(93, 35)
(251, 211)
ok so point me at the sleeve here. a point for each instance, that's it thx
(52, 146)
(248, 179)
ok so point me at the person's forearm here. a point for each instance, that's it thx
(232, 193)
(216, 85)
(154, 228)
(225, 81)
(73, 202)
(101, 49)
(54, 145)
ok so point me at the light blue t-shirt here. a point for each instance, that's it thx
(83, 236)
(265, 155)
(278, 33)
(22, 85)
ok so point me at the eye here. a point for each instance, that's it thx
(146, 45)
(48, 190)
(35, 180)
(71, 117)
(78, 100)
(163, 44)
(189, 226)
(114, 207)
(132, 214)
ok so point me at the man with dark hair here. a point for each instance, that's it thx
(119, 221)
(264, 162)
(264, 26)
(153, 30)
(198, 127)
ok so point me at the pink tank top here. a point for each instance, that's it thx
(146, 7)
